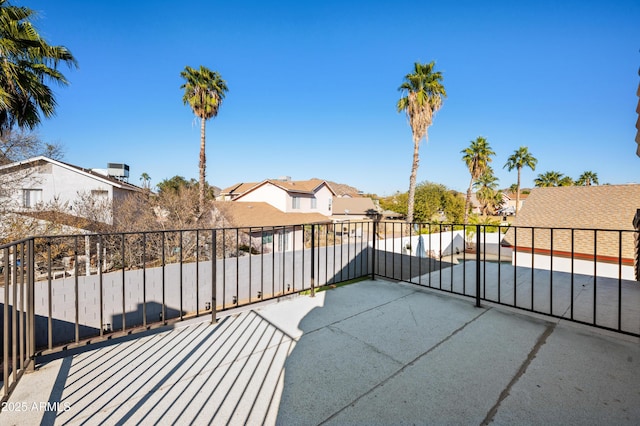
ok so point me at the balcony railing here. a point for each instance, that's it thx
(65, 291)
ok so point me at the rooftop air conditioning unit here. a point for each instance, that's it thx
(118, 171)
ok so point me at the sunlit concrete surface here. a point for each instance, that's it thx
(375, 352)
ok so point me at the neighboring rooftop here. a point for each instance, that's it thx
(606, 207)
(263, 214)
(97, 173)
(354, 206)
(593, 207)
(294, 186)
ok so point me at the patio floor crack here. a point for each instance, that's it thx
(523, 368)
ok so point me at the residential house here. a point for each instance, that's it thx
(591, 223)
(509, 200)
(286, 195)
(268, 226)
(32, 184)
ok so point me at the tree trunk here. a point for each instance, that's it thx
(467, 203)
(202, 165)
(518, 192)
(412, 178)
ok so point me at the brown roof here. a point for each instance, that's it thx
(583, 208)
(243, 214)
(512, 195)
(357, 206)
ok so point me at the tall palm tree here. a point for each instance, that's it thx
(422, 95)
(204, 91)
(519, 159)
(548, 179)
(588, 178)
(28, 63)
(477, 158)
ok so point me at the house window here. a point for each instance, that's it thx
(330, 200)
(267, 237)
(31, 197)
(295, 202)
(314, 203)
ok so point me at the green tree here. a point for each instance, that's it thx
(396, 203)
(588, 178)
(477, 158)
(548, 179)
(204, 91)
(565, 181)
(28, 65)
(175, 184)
(519, 159)
(422, 95)
(435, 202)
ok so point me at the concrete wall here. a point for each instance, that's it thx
(185, 288)
(563, 264)
(439, 244)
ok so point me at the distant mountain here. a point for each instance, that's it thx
(342, 189)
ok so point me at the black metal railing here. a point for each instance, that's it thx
(580, 275)
(64, 291)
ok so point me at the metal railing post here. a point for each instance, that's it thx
(374, 253)
(313, 261)
(214, 275)
(31, 300)
(478, 266)
(5, 329)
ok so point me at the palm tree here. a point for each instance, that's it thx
(146, 179)
(587, 179)
(548, 179)
(204, 91)
(486, 192)
(519, 159)
(28, 63)
(477, 158)
(565, 181)
(422, 95)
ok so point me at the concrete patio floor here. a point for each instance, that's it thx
(374, 352)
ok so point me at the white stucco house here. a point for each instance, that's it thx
(38, 182)
(275, 207)
(286, 195)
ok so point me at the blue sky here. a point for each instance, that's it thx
(313, 87)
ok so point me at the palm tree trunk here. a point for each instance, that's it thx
(467, 203)
(518, 192)
(202, 165)
(412, 178)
